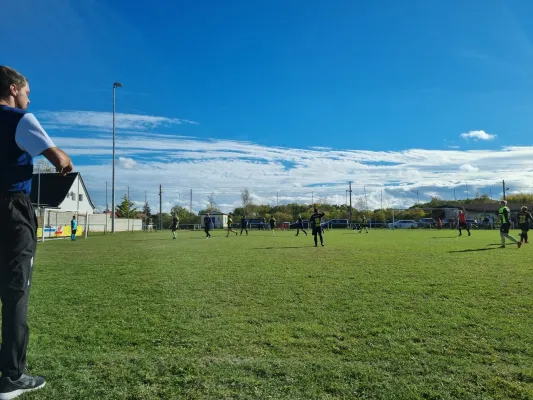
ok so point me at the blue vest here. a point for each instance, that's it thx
(16, 166)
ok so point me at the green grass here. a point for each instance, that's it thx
(388, 315)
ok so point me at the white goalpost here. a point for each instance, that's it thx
(56, 224)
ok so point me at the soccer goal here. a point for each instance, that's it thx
(56, 224)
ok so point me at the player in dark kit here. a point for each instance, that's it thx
(207, 226)
(174, 226)
(316, 223)
(524, 219)
(300, 225)
(244, 224)
(272, 222)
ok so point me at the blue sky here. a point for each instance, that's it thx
(257, 93)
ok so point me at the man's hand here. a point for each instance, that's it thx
(65, 170)
(59, 159)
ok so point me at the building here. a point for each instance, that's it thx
(64, 193)
(218, 219)
(476, 211)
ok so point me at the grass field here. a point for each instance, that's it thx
(388, 315)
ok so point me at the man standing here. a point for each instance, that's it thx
(73, 228)
(462, 222)
(363, 224)
(174, 227)
(21, 139)
(300, 225)
(505, 215)
(316, 223)
(207, 225)
(524, 219)
(272, 224)
(244, 224)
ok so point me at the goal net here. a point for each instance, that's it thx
(55, 224)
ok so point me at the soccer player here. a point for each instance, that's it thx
(174, 227)
(524, 219)
(244, 224)
(316, 223)
(272, 222)
(207, 225)
(363, 225)
(300, 225)
(230, 223)
(505, 215)
(21, 139)
(462, 222)
(73, 228)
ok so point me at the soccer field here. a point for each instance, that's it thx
(385, 315)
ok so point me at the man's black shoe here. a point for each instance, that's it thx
(11, 389)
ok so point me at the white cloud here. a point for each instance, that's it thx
(127, 163)
(468, 168)
(225, 167)
(477, 135)
(104, 120)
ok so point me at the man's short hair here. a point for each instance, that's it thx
(8, 77)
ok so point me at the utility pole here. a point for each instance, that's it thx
(190, 203)
(466, 185)
(145, 197)
(129, 211)
(366, 202)
(503, 186)
(106, 202)
(490, 191)
(381, 199)
(454, 197)
(417, 198)
(277, 199)
(160, 207)
(312, 199)
(350, 209)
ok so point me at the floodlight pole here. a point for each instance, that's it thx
(115, 86)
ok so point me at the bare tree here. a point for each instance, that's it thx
(246, 200)
(43, 166)
(212, 202)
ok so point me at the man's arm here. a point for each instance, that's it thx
(59, 159)
(32, 138)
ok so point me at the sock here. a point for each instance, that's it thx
(512, 239)
(525, 236)
(502, 236)
(460, 232)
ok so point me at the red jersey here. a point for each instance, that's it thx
(462, 218)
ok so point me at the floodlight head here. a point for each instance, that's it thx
(117, 84)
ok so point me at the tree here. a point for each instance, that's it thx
(43, 166)
(147, 211)
(212, 205)
(521, 198)
(246, 200)
(126, 209)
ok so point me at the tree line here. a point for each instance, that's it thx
(291, 212)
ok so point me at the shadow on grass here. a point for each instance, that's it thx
(471, 250)
(279, 247)
(444, 237)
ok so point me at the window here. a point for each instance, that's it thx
(73, 196)
(81, 197)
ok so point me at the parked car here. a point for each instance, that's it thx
(404, 224)
(426, 223)
(257, 223)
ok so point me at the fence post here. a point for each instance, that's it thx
(86, 224)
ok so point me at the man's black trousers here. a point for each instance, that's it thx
(18, 240)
